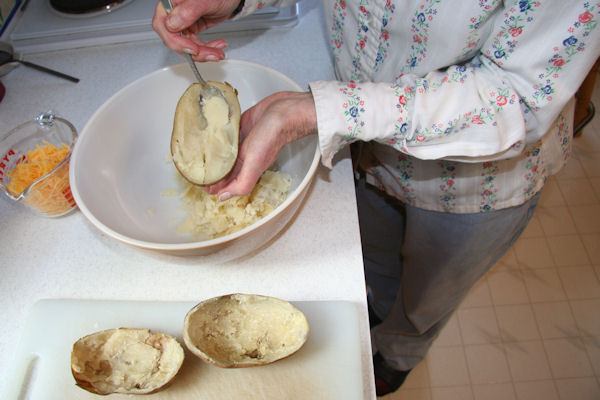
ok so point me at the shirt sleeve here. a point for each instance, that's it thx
(488, 108)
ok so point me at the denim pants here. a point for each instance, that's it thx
(420, 264)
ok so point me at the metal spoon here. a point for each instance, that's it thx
(208, 90)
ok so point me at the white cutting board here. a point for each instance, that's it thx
(327, 367)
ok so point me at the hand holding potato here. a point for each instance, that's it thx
(265, 129)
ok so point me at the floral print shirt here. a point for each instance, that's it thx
(466, 106)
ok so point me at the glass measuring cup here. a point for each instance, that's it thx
(50, 194)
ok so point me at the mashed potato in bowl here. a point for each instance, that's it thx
(208, 218)
(122, 188)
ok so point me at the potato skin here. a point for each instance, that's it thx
(244, 330)
(93, 360)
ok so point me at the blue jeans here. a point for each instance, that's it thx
(420, 264)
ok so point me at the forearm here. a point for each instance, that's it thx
(489, 107)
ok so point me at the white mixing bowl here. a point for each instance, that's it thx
(120, 169)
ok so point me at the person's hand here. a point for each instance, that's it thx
(265, 129)
(192, 17)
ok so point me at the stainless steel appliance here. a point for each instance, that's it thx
(40, 26)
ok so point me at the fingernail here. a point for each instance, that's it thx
(189, 51)
(225, 196)
(212, 57)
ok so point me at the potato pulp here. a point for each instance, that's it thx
(205, 149)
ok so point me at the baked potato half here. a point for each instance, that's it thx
(244, 330)
(125, 360)
(205, 137)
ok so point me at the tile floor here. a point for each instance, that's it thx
(530, 329)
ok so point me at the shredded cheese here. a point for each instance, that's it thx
(52, 195)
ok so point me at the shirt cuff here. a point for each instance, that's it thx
(327, 123)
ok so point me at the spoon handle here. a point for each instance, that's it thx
(169, 7)
(48, 70)
(190, 61)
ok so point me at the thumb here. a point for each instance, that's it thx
(185, 13)
(177, 20)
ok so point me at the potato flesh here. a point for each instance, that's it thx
(245, 330)
(205, 154)
(132, 362)
(207, 217)
(125, 361)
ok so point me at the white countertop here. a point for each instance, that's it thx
(317, 257)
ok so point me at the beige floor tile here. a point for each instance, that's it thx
(579, 388)
(527, 361)
(555, 320)
(591, 242)
(589, 142)
(573, 169)
(595, 182)
(580, 282)
(487, 364)
(452, 393)
(592, 346)
(586, 313)
(499, 391)
(556, 221)
(534, 228)
(590, 164)
(478, 325)
(418, 377)
(450, 334)
(536, 390)
(586, 218)
(507, 287)
(517, 323)
(577, 191)
(447, 366)
(544, 285)
(568, 358)
(568, 250)
(508, 261)
(551, 194)
(478, 296)
(534, 253)
(409, 394)
(588, 128)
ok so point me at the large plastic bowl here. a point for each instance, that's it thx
(120, 169)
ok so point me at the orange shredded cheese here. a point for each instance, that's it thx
(52, 195)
